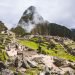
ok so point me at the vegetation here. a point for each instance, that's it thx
(29, 44)
(19, 31)
(31, 71)
(52, 29)
(3, 55)
(56, 50)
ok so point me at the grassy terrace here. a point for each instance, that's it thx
(3, 55)
(58, 51)
(29, 44)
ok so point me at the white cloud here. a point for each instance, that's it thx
(58, 11)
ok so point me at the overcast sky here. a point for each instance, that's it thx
(55, 11)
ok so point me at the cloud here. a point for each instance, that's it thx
(56, 11)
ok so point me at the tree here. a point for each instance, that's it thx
(19, 31)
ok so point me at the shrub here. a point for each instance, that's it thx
(51, 45)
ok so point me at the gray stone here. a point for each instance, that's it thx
(7, 72)
(59, 62)
(2, 65)
(25, 64)
(32, 63)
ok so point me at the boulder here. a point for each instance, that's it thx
(32, 64)
(2, 65)
(71, 65)
(25, 64)
(59, 62)
(38, 60)
(22, 69)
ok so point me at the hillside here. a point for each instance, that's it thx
(52, 29)
(34, 54)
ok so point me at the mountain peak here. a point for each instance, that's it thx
(30, 18)
(30, 10)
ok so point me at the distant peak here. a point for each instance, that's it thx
(32, 8)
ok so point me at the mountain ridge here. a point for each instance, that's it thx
(32, 22)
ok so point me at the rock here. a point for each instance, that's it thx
(30, 49)
(22, 69)
(16, 62)
(19, 63)
(25, 64)
(38, 60)
(7, 72)
(2, 65)
(71, 65)
(32, 64)
(41, 73)
(47, 73)
(59, 62)
(67, 71)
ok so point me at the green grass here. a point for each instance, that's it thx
(29, 44)
(3, 56)
(58, 51)
(31, 71)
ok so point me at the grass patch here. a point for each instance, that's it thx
(29, 44)
(31, 71)
(3, 56)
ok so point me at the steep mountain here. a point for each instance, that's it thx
(30, 18)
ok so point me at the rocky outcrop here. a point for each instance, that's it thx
(25, 64)
(32, 64)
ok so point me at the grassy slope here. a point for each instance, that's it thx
(29, 44)
(60, 51)
(3, 55)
